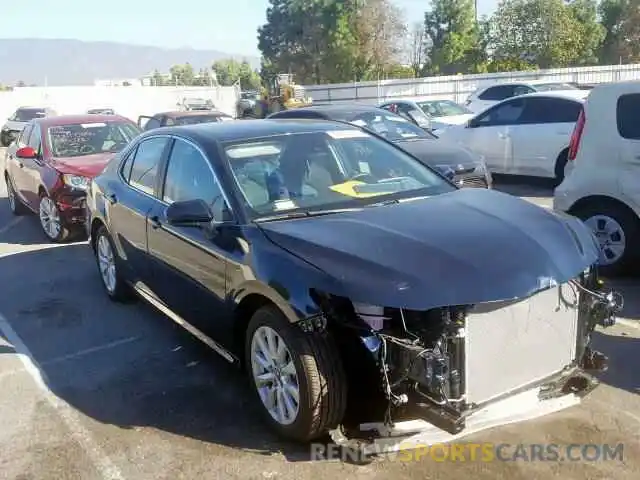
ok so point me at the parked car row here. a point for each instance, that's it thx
(364, 293)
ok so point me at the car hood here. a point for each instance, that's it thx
(85, 166)
(440, 122)
(13, 125)
(459, 248)
(440, 152)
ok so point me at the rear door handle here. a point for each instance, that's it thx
(155, 222)
(111, 197)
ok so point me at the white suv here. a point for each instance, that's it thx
(603, 187)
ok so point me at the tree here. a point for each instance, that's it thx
(545, 33)
(611, 14)
(591, 32)
(379, 29)
(328, 41)
(627, 46)
(417, 48)
(182, 74)
(230, 71)
(450, 26)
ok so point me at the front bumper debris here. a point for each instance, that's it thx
(432, 377)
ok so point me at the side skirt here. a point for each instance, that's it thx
(146, 294)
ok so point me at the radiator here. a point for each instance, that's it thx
(514, 344)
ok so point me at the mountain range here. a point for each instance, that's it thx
(59, 62)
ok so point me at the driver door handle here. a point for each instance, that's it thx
(155, 222)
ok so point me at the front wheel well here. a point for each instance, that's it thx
(95, 225)
(599, 200)
(242, 316)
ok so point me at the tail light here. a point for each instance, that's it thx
(576, 136)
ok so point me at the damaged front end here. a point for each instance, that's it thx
(455, 370)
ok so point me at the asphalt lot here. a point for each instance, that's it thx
(92, 390)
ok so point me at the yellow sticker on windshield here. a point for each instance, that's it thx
(349, 189)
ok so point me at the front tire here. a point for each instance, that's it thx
(117, 289)
(15, 204)
(618, 232)
(298, 377)
(50, 220)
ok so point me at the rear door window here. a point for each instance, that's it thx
(627, 110)
(499, 92)
(550, 110)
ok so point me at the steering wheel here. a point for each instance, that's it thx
(363, 177)
(87, 148)
(117, 146)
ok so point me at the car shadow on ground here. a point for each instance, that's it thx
(623, 352)
(191, 392)
(629, 288)
(523, 186)
(24, 229)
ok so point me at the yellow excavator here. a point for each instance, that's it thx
(282, 94)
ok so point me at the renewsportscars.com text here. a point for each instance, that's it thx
(485, 452)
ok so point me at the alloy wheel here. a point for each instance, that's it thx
(275, 375)
(50, 218)
(610, 236)
(106, 263)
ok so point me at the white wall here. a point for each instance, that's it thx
(458, 87)
(128, 101)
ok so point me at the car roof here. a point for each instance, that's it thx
(340, 108)
(191, 113)
(576, 95)
(76, 119)
(208, 133)
(27, 107)
(399, 100)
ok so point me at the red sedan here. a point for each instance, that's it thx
(50, 166)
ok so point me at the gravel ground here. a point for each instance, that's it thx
(92, 390)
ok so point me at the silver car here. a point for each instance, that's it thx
(16, 122)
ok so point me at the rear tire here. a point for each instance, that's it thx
(106, 258)
(618, 232)
(314, 361)
(560, 168)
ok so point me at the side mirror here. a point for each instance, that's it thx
(26, 152)
(189, 213)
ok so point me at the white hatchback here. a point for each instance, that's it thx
(525, 135)
(603, 188)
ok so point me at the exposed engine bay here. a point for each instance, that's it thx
(446, 364)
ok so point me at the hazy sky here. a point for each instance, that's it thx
(229, 26)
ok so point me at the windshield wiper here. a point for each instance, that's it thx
(305, 214)
(390, 201)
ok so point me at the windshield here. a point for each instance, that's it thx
(193, 119)
(545, 87)
(27, 114)
(88, 138)
(326, 170)
(443, 108)
(388, 125)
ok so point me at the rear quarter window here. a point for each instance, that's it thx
(627, 110)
